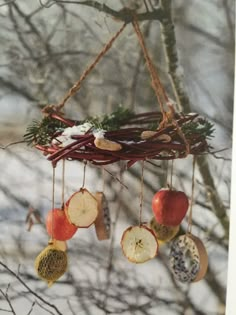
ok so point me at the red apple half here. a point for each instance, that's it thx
(170, 207)
(58, 226)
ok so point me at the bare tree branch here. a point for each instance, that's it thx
(30, 290)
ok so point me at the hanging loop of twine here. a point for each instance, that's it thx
(84, 174)
(159, 90)
(162, 98)
(189, 228)
(75, 88)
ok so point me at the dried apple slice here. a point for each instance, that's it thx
(139, 244)
(82, 208)
(103, 221)
(163, 232)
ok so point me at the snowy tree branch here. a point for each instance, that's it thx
(169, 41)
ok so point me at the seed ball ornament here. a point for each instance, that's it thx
(82, 208)
(139, 244)
(58, 226)
(51, 264)
(169, 206)
(188, 258)
(103, 220)
(163, 233)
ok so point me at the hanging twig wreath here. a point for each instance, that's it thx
(122, 135)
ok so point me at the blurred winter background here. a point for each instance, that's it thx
(43, 52)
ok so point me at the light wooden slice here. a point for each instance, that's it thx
(103, 221)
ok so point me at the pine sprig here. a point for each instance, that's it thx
(200, 126)
(41, 132)
(112, 121)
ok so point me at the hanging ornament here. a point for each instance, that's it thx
(163, 233)
(51, 264)
(169, 206)
(139, 244)
(103, 220)
(82, 208)
(128, 137)
(58, 226)
(188, 258)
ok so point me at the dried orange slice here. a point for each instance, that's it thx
(163, 232)
(103, 221)
(82, 208)
(139, 244)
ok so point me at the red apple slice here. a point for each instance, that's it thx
(139, 244)
(163, 233)
(82, 208)
(103, 221)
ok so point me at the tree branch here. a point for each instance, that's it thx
(30, 290)
(124, 15)
(169, 41)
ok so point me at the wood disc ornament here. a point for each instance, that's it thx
(103, 220)
(139, 244)
(82, 208)
(188, 258)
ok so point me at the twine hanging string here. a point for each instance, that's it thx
(171, 174)
(84, 173)
(75, 88)
(63, 184)
(141, 194)
(158, 88)
(53, 200)
(160, 93)
(167, 173)
(103, 180)
(189, 228)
